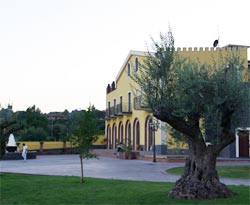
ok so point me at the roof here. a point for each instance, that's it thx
(131, 52)
(235, 45)
(146, 53)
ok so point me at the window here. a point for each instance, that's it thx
(121, 100)
(109, 109)
(136, 64)
(128, 71)
(115, 108)
(120, 107)
(129, 102)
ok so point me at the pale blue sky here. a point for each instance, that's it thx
(61, 54)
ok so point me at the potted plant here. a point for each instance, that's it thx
(127, 153)
(137, 147)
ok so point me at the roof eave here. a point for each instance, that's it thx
(131, 52)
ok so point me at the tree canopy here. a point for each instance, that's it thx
(33, 125)
(185, 93)
(192, 97)
(85, 134)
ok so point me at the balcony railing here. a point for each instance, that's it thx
(110, 113)
(119, 110)
(140, 103)
(125, 108)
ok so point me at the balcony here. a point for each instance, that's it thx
(119, 111)
(110, 113)
(125, 108)
(140, 103)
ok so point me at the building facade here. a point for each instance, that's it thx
(130, 122)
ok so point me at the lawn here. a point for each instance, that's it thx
(237, 172)
(39, 189)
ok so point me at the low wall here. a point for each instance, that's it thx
(36, 146)
(58, 147)
(18, 155)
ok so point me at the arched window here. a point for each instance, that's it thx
(136, 64)
(128, 70)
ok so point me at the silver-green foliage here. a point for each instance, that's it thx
(191, 91)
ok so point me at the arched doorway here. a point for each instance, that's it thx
(108, 137)
(114, 136)
(136, 140)
(120, 133)
(128, 140)
(148, 134)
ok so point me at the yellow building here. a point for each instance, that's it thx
(127, 121)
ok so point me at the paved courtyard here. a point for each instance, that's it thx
(104, 167)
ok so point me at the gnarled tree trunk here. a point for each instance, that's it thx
(200, 179)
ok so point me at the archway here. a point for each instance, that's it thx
(120, 133)
(148, 134)
(114, 136)
(108, 137)
(128, 134)
(136, 139)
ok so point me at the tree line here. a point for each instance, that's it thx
(81, 127)
(33, 125)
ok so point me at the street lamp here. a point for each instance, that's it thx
(154, 127)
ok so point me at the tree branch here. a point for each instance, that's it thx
(177, 123)
(227, 137)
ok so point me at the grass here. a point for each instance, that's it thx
(39, 189)
(237, 172)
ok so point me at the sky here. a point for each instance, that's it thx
(62, 54)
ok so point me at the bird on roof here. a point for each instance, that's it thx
(216, 42)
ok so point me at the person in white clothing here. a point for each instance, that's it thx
(25, 151)
(120, 147)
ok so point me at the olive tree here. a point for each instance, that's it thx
(191, 97)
